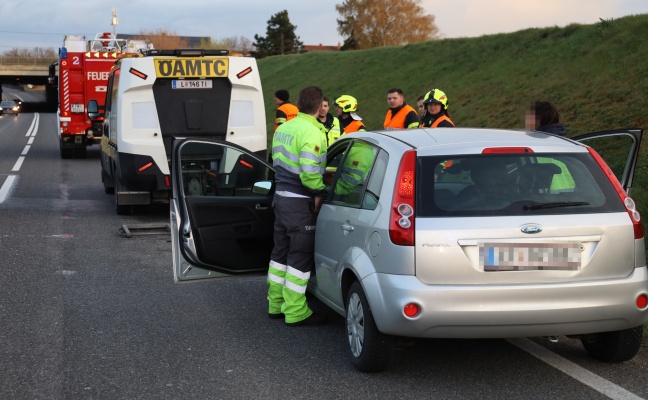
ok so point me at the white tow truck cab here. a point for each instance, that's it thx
(165, 95)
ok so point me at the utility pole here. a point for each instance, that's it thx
(114, 21)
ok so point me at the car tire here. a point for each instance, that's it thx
(370, 349)
(615, 346)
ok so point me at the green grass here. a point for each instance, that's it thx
(596, 74)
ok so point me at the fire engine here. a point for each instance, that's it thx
(84, 67)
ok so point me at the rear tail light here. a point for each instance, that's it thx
(629, 204)
(401, 225)
(411, 310)
(642, 301)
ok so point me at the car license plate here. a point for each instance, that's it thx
(191, 84)
(77, 108)
(529, 257)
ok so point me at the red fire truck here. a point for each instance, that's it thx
(84, 66)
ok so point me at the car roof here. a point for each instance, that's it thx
(475, 140)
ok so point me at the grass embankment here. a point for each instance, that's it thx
(596, 74)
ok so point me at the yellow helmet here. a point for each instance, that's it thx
(347, 103)
(436, 96)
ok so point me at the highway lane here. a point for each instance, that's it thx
(86, 313)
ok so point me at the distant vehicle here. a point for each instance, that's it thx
(84, 66)
(439, 233)
(9, 106)
(164, 95)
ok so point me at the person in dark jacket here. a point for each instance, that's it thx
(543, 116)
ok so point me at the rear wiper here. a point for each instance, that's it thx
(555, 204)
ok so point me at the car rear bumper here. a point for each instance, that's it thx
(504, 311)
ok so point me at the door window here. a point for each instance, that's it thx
(353, 169)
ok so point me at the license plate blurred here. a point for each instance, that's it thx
(191, 84)
(529, 257)
(77, 108)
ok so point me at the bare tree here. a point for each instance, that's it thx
(163, 39)
(377, 23)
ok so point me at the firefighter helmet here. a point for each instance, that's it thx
(436, 96)
(347, 103)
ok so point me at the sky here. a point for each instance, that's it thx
(44, 23)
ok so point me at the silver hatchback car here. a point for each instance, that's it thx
(440, 233)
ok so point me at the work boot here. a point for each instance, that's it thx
(314, 319)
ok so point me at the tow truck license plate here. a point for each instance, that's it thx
(77, 108)
(191, 84)
(529, 257)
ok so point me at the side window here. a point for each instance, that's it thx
(352, 175)
(211, 169)
(372, 194)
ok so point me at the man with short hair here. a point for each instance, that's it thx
(299, 159)
(285, 110)
(400, 115)
(331, 124)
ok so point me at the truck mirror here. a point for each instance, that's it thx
(93, 109)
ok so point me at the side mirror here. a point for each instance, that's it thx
(262, 187)
(93, 109)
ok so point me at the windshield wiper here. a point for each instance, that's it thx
(555, 204)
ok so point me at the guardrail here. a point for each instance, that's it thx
(32, 61)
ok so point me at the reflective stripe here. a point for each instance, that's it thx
(310, 156)
(276, 279)
(278, 266)
(290, 168)
(298, 274)
(283, 151)
(295, 288)
(312, 168)
(349, 179)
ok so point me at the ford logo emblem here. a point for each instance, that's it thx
(531, 229)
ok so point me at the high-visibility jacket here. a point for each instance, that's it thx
(357, 165)
(401, 117)
(285, 112)
(299, 156)
(331, 128)
(350, 125)
(433, 121)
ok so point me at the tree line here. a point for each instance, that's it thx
(363, 24)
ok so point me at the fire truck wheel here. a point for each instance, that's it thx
(67, 153)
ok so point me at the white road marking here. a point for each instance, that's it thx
(577, 372)
(34, 126)
(6, 187)
(25, 150)
(18, 164)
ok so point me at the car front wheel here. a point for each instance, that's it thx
(615, 346)
(370, 349)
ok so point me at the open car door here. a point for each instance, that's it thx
(620, 150)
(221, 214)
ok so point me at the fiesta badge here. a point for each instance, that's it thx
(532, 228)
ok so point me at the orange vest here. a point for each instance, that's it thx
(441, 119)
(354, 126)
(291, 112)
(397, 121)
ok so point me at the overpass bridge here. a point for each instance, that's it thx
(29, 71)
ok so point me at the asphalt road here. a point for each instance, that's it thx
(86, 313)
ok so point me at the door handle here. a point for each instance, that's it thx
(347, 227)
(261, 206)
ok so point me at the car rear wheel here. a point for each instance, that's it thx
(614, 346)
(370, 349)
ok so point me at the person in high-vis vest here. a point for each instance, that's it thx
(400, 115)
(350, 121)
(436, 112)
(299, 159)
(330, 124)
(285, 110)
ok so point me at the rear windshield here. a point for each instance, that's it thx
(498, 185)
